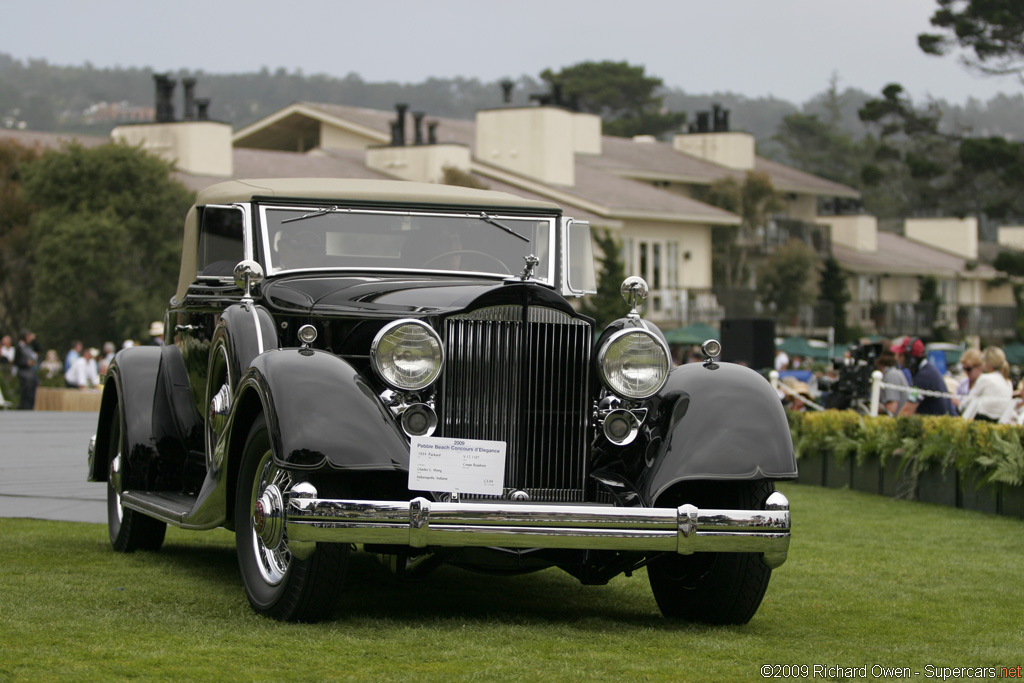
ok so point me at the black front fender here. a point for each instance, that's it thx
(320, 411)
(129, 389)
(722, 421)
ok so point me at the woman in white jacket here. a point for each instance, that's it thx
(991, 397)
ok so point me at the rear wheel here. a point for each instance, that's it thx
(713, 588)
(278, 584)
(129, 530)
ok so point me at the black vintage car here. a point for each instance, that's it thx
(393, 367)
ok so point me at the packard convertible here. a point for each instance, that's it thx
(395, 368)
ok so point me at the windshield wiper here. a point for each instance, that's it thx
(488, 219)
(314, 214)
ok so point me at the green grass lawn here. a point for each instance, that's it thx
(869, 581)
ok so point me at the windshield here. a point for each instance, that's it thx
(318, 237)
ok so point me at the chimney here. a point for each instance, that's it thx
(202, 108)
(164, 91)
(189, 84)
(398, 132)
(721, 119)
(702, 121)
(195, 145)
(506, 90)
(417, 118)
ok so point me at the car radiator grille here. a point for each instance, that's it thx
(520, 375)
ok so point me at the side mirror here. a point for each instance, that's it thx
(248, 274)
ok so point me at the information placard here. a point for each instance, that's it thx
(457, 465)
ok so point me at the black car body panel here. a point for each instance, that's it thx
(726, 423)
(378, 373)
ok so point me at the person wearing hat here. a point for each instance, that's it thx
(156, 332)
(84, 373)
(910, 354)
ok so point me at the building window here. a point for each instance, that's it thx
(656, 266)
(643, 261)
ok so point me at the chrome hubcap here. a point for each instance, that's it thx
(266, 522)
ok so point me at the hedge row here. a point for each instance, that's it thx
(908, 457)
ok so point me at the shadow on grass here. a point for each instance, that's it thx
(372, 592)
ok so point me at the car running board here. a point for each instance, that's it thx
(166, 506)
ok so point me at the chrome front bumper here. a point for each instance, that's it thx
(421, 523)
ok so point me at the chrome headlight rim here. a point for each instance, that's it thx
(610, 382)
(383, 372)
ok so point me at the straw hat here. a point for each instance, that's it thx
(156, 329)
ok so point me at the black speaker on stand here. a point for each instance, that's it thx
(750, 341)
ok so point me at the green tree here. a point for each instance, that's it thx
(913, 162)
(1012, 263)
(755, 200)
(15, 238)
(787, 278)
(819, 144)
(107, 241)
(607, 306)
(989, 34)
(625, 98)
(833, 289)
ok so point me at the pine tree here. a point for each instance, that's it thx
(607, 306)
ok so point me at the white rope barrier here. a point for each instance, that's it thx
(877, 385)
(781, 386)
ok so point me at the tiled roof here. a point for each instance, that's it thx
(621, 156)
(898, 255)
(594, 184)
(50, 140)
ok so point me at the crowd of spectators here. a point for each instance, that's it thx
(979, 387)
(24, 367)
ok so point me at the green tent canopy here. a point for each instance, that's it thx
(695, 333)
(1014, 353)
(798, 346)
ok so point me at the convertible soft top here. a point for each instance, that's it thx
(363, 190)
(356, 190)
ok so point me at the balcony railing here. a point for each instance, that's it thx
(779, 231)
(918, 319)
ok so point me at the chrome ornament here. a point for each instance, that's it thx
(531, 263)
(634, 291)
(248, 274)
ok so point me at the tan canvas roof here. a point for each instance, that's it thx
(361, 189)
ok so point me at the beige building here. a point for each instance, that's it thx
(644, 191)
(640, 189)
(886, 270)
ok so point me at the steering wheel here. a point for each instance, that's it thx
(454, 252)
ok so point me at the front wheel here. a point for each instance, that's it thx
(712, 588)
(278, 584)
(129, 530)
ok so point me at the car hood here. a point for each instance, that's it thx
(386, 296)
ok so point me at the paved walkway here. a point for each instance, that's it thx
(43, 463)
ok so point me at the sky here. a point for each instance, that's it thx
(788, 49)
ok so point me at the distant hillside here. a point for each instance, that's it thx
(40, 96)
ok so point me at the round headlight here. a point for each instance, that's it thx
(634, 363)
(407, 354)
